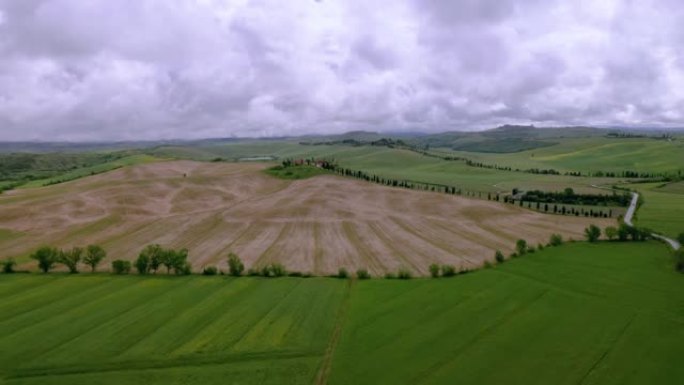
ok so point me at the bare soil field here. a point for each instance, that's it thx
(317, 225)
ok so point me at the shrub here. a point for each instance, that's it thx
(120, 266)
(8, 265)
(521, 246)
(210, 270)
(531, 250)
(235, 265)
(611, 232)
(623, 232)
(514, 255)
(555, 240)
(46, 257)
(295, 274)
(253, 272)
(680, 238)
(342, 273)
(390, 275)
(404, 274)
(362, 274)
(499, 257)
(278, 270)
(488, 264)
(679, 260)
(142, 264)
(265, 271)
(448, 270)
(434, 270)
(592, 233)
(540, 247)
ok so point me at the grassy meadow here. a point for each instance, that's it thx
(603, 313)
(663, 207)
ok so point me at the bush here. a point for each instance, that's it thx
(235, 265)
(540, 247)
(404, 274)
(253, 272)
(342, 273)
(142, 264)
(295, 274)
(531, 250)
(611, 232)
(679, 260)
(210, 270)
(488, 264)
(499, 257)
(362, 274)
(555, 240)
(592, 233)
(120, 266)
(390, 275)
(278, 270)
(623, 232)
(448, 270)
(8, 265)
(265, 271)
(434, 270)
(521, 246)
(680, 238)
(514, 255)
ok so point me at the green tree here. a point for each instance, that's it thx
(119, 266)
(342, 273)
(680, 239)
(70, 258)
(235, 265)
(94, 254)
(623, 232)
(679, 260)
(499, 257)
(179, 261)
(521, 246)
(592, 233)
(46, 257)
(611, 232)
(434, 270)
(555, 240)
(448, 270)
(142, 264)
(155, 255)
(8, 265)
(362, 274)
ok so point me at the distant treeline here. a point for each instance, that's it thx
(570, 197)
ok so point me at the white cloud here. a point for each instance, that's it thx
(190, 68)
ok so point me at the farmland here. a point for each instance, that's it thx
(663, 208)
(312, 225)
(603, 313)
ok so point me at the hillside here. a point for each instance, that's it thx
(316, 225)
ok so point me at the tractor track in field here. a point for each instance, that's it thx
(326, 364)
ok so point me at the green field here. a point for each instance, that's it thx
(582, 313)
(663, 208)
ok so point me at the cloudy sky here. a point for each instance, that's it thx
(139, 69)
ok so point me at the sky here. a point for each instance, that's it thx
(83, 70)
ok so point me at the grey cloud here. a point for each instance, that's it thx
(130, 69)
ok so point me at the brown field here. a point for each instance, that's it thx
(315, 225)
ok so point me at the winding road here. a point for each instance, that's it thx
(630, 214)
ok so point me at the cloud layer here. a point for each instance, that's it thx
(147, 69)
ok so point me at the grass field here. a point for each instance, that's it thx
(581, 313)
(663, 208)
(313, 225)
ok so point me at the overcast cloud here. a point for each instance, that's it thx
(144, 69)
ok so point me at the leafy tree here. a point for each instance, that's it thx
(94, 254)
(278, 270)
(142, 264)
(521, 246)
(680, 239)
(623, 232)
(70, 258)
(8, 265)
(167, 259)
(434, 270)
(611, 232)
(362, 274)
(499, 257)
(556, 240)
(46, 257)
(155, 255)
(235, 265)
(592, 233)
(210, 270)
(342, 273)
(448, 270)
(179, 261)
(121, 266)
